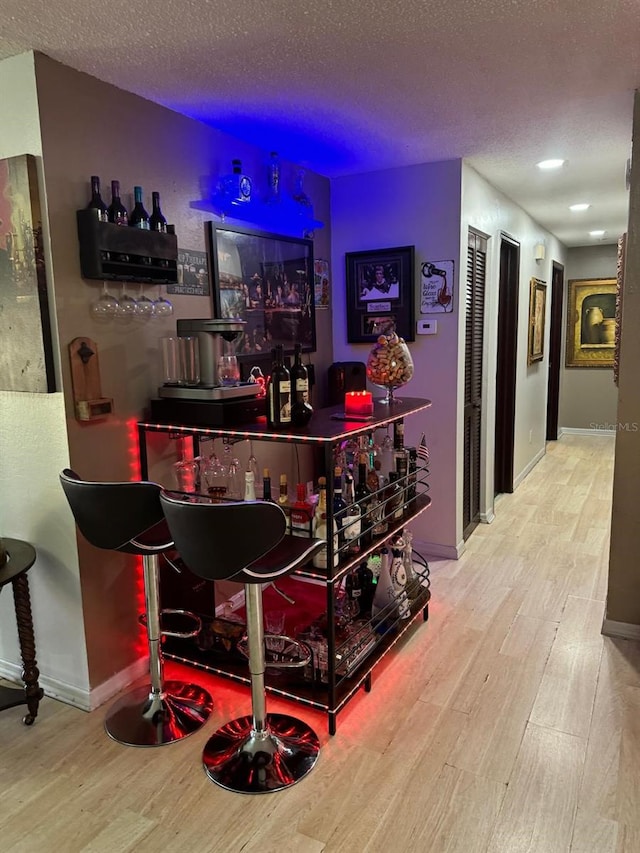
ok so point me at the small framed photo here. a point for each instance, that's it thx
(537, 307)
(380, 293)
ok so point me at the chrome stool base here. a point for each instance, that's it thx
(243, 760)
(142, 718)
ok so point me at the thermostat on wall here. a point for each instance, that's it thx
(427, 327)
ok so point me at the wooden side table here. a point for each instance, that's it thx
(20, 557)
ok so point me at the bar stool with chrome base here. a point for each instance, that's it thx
(246, 542)
(128, 517)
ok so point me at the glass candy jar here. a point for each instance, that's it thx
(389, 364)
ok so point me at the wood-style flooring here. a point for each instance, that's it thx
(506, 724)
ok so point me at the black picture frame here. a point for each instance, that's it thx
(380, 293)
(267, 281)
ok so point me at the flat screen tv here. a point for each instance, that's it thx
(267, 281)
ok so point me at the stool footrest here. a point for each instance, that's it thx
(182, 635)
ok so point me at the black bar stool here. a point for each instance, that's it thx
(246, 542)
(128, 517)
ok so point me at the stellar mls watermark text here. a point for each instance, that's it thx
(617, 427)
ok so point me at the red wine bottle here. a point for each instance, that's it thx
(301, 410)
(96, 204)
(117, 211)
(279, 393)
(157, 222)
(139, 217)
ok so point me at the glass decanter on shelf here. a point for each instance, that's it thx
(389, 365)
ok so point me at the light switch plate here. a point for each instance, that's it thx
(427, 327)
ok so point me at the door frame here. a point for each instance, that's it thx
(555, 350)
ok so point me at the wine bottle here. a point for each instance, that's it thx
(139, 217)
(283, 499)
(301, 410)
(266, 486)
(96, 204)
(157, 222)
(339, 505)
(117, 211)
(279, 393)
(363, 496)
(352, 525)
(321, 528)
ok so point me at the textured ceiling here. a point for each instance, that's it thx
(348, 87)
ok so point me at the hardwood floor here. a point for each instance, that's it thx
(506, 724)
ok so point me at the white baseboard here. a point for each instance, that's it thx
(624, 630)
(579, 431)
(529, 468)
(79, 697)
(432, 549)
(487, 517)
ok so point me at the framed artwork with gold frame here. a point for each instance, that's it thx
(591, 322)
(537, 308)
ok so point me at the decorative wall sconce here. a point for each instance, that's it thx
(539, 252)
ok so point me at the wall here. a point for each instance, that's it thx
(420, 206)
(33, 449)
(588, 397)
(623, 596)
(89, 127)
(488, 211)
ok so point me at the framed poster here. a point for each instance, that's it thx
(380, 293)
(591, 322)
(193, 275)
(436, 287)
(537, 309)
(26, 354)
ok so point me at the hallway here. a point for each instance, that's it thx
(507, 723)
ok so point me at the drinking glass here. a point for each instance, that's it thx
(145, 307)
(274, 623)
(228, 370)
(105, 306)
(127, 305)
(162, 307)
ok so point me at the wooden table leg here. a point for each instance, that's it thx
(30, 671)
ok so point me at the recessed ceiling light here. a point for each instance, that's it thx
(598, 233)
(550, 164)
(581, 206)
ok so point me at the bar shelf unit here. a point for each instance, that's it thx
(326, 430)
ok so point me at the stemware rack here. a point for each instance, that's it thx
(111, 252)
(351, 661)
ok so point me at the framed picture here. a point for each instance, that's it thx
(26, 354)
(591, 322)
(266, 280)
(436, 287)
(380, 293)
(537, 306)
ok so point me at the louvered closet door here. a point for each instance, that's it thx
(474, 326)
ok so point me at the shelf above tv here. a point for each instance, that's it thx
(284, 217)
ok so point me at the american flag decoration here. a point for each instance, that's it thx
(423, 450)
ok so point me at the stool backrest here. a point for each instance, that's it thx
(117, 516)
(219, 540)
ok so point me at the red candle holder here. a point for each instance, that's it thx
(358, 403)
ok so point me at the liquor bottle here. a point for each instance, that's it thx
(157, 222)
(139, 217)
(352, 525)
(117, 211)
(273, 178)
(301, 513)
(363, 496)
(236, 186)
(301, 410)
(354, 593)
(399, 581)
(394, 506)
(301, 198)
(321, 528)
(377, 513)
(96, 204)
(368, 588)
(384, 599)
(283, 499)
(400, 457)
(279, 393)
(266, 486)
(249, 486)
(412, 477)
(339, 505)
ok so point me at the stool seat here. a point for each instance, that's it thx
(128, 517)
(245, 541)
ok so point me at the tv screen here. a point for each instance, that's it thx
(266, 280)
